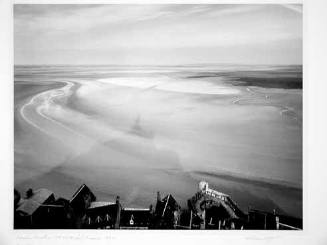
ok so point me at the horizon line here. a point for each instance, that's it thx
(164, 65)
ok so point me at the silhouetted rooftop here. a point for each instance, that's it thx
(30, 205)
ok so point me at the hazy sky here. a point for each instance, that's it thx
(158, 34)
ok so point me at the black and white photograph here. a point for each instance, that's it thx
(158, 116)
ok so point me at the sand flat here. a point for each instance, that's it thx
(133, 133)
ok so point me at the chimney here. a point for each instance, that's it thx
(29, 193)
(158, 196)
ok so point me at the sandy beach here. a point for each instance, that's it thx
(135, 131)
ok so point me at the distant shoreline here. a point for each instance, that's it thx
(290, 78)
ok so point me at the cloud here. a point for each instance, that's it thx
(151, 28)
(297, 8)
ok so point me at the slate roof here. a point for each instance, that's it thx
(30, 205)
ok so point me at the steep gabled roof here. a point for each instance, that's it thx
(82, 188)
